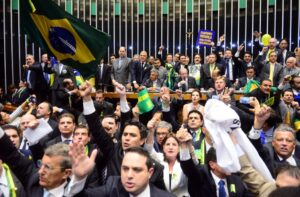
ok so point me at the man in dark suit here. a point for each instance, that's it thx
(60, 72)
(271, 69)
(34, 76)
(153, 84)
(250, 75)
(103, 80)
(181, 63)
(283, 45)
(66, 126)
(103, 107)
(55, 168)
(207, 69)
(185, 82)
(136, 170)
(210, 179)
(140, 70)
(133, 135)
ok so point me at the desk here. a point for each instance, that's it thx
(186, 96)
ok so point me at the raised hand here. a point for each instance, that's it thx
(82, 165)
(85, 89)
(257, 34)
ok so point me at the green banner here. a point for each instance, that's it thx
(117, 9)
(144, 102)
(189, 6)
(141, 7)
(14, 4)
(215, 5)
(271, 2)
(93, 9)
(243, 4)
(69, 6)
(165, 7)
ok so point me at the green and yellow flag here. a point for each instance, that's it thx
(62, 35)
(144, 102)
(250, 86)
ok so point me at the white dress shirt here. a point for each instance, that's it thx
(217, 180)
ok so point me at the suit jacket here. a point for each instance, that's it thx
(264, 56)
(54, 141)
(201, 182)
(105, 79)
(148, 84)
(214, 93)
(23, 168)
(265, 72)
(205, 74)
(236, 69)
(106, 108)
(20, 96)
(113, 153)
(243, 81)
(66, 72)
(114, 188)
(191, 84)
(121, 71)
(177, 67)
(139, 74)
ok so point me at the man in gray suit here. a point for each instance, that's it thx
(120, 71)
(270, 70)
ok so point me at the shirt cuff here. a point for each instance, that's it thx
(1, 132)
(261, 53)
(88, 107)
(75, 186)
(237, 54)
(256, 39)
(124, 105)
(184, 154)
(254, 134)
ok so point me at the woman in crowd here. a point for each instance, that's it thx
(194, 105)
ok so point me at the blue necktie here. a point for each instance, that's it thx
(262, 138)
(222, 192)
(67, 141)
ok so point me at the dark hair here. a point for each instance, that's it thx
(288, 90)
(197, 112)
(170, 135)
(248, 52)
(266, 80)
(111, 116)
(250, 67)
(140, 126)
(7, 126)
(291, 171)
(49, 107)
(211, 156)
(99, 91)
(66, 115)
(197, 90)
(284, 39)
(285, 191)
(142, 152)
(82, 126)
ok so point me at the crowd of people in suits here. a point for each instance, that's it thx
(67, 139)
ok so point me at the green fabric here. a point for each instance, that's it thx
(189, 6)
(141, 8)
(14, 4)
(69, 6)
(215, 5)
(250, 86)
(243, 4)
(117, 9)
(144, 102)
(93, 9)
(271, 2)
(165, 7)
(73, 42)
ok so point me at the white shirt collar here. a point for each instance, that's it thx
(290, 160)
(58, 191)
(145, 193)
(217, 179)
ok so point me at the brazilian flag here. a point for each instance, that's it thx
(144, 101)
(62, 35)
(250, 86)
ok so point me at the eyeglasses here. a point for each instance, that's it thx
(46, 167)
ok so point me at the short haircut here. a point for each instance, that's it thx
(291, 171)
(111, 116)
(211, 156)
(288, 90)
(7, 126)
(250, 68)
(62, 150)
(248, 52)
(142, 152)
(164, 124)
(82, 126)
(99, 91)
(284, 128)
(272, 52)
(50, 108)
(197, 112)
(69, 115)
(263, 80)
(153, 70)
(140, 126)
